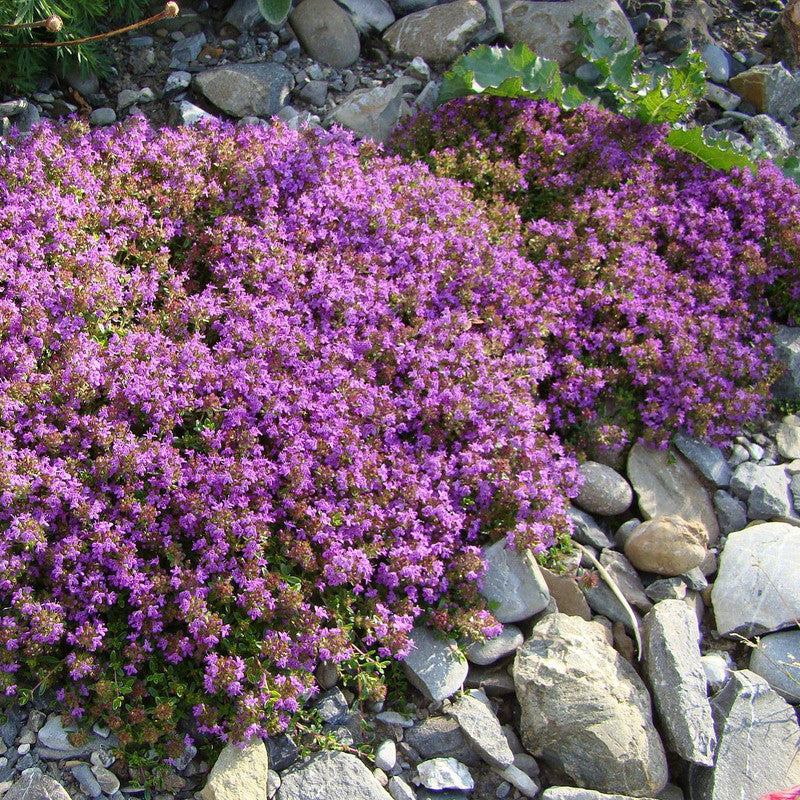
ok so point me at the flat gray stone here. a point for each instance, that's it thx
(787, 438)
(604, 490)
(36, 786)
(586, 531)
(435, 665)
(574, 793)
(244, 15)
(186, 113)
(437, 736)
(758, 748)
(756, 590)
(513, 585)
(445, 773)
(731, 513)
(400, 790)
(331, 776)
(777, 660)
(585, 711)
(671, 645)
(545, 26)
(53, 741)
(481, 728)
(709, 461)
(369, 16)
(238, 772)
(485, 653)
(787, 350)
(764, 489)
(187, 50)
(665, 484)
(246, 90)
(716, 61)
(373, 113)
(86, 779)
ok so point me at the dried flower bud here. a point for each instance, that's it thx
(54, 23)
(171, 10)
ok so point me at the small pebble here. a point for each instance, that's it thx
(24, 749)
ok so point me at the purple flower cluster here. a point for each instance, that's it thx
(655, 279)
(263, 394)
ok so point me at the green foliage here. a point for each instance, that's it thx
(718, 153)
(274, 11)
(20, 68)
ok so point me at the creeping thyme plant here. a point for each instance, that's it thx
(262, 396)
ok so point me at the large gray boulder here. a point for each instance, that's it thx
(331, 776)
(585, 711)
(756, 590)
(758, 743)
(671, 641)
(545, 26)
(666, 485)
(246, 90)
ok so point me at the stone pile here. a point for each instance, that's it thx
(699, 544)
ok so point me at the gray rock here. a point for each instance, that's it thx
(567, 594)
(604, 490)
(485, 653)
(626, 578)
(573, 793)
(246, 90)
(513, 584)
(282, 752)
(481, 728)
(85, 777)
(765, 489)
(666, 484)
(386, 755)
(315, 92)
(435, 665)
(331, 776)
(758, 743)
(326, 32)
(85, 83)
(186, 50)
(126, 98)
(438, 34)
(332, 707)
(103, 116)
(494, 681)
(721, 97)
(244, 15)
(667, 546)
(671, 644)
(772, 134)
(53, 741)
(666, 589)
(771, 88)
(436, 736)
(709, 461)
(756, 590)
(787, 350)
(731, 513)
(545, 26)
(787, 438)
(400, 790)
(394, 718)
(716, 60)
(177, 82)
(369, 16)
(520, 780)
(777, 660)
(186, 113)
(402, 8)
(585, 711)
(718, 667)
(373, 113)
(586, 531)
(36, 786)
(238, 772)
(445, 773)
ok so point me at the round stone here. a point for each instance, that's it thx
(667, 545)
(604, 490)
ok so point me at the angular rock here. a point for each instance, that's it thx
(787, 350)
(585, 711)
(545, 26)
(36, 786)
(771, 88)
(731, 513)
(756, 590)
(494, 681)
(436, 736)
(667, 545)
(326, 32)
(513, 584)
(369, 16)
(435, 665)
(709, 461)
(438, 34)
(238, 773)
(567, 594)
(53, 741)
(331, 776)
(586, 531)
(604, 490)
(177, 82)
(765, 490)
(400, 790)
(671, 643)
(758, 749)
(773, 136)
(445, 773)
(787, 438)
(666, 589)
(626, 578)
(373, 113)
(246, 90)
(666, 484)
(481, 728)
(574, 793)
(777, 660)
(520, 780)
(244, 15)
(485, 653)
(186, 50)
(721, 97)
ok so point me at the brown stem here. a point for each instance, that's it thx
(170, 10)
(38, 24)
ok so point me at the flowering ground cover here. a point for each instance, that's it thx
(262, 395)
(657, 279)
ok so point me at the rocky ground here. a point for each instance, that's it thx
(701, 543)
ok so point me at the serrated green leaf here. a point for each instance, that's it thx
(790, 167)
(717, 154)
(274, 12)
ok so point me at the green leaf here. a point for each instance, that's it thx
(790, 166)
(274, 11)
(717, 153)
